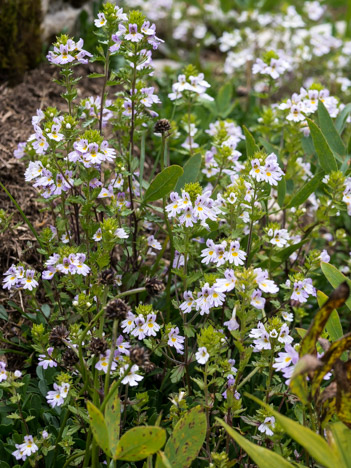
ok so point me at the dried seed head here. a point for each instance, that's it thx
(154, 286)
(117, 309)
(97, 346)
(57, 335)
(141, 356)
(69, 358)
(107, 276)
(162, 126)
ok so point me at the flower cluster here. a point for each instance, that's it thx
(267, 170)
(19, 278)
(188, 212)
(272, 65)
(57, 396)
(196, 85)
(73, 264)
(67, 51)
(263, 339)
(26, 449)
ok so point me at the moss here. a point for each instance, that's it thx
(20, 38)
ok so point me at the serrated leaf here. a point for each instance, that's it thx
(98, 427)
(140, 442)
(163, 183)
(113, 421)
(329, 131)
(315, 445)
(308, 188)
(187, 438)
(335, 278)
(191, 171)
(325, 155)
(263, 457)
(336, 300)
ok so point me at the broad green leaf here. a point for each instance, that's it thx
(335, 278)
(336, 300)
(329, 131)
(308, 188)
(325, 155)
(163, 183)
(187, 438)
(191, 171)
(315, 445)
(263, 457)
(140, 442)
(341, 118)
(341, 439)
(251, 147)
(333, 325)
(98, 427)
(224, 99)
(113, 421)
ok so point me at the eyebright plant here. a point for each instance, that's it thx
(161, 302)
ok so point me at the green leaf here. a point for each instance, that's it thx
(191, 171)
(333, 325)
(163, 183)
(3, 313)
(113, 420)
(335, 278)
(329, 131)
(336, 300)
(263, 457)
(341, 439)
(341, 118)
(325, 155)
(309, 187)
(315, 445)
(140, 442)
(224, 99)
(96, 75)
(251, 147)
(187, 438)
(98, 427)
(281, 191)
(162, 461)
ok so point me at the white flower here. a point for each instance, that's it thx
(324, 256)
(202, 355)
(266, 426)
(232, 324)
(102, 363)
(175, 340)
(26, 449)
(57, 396)
(131, 378)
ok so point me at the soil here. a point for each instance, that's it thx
(17, 106)
(17, 243)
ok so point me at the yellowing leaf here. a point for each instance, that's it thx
(263, 457)
(98, 427)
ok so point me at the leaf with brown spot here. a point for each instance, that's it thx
(98, 427)
(113, 420)
(337, 298)
(140, 442)
(186, 439)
